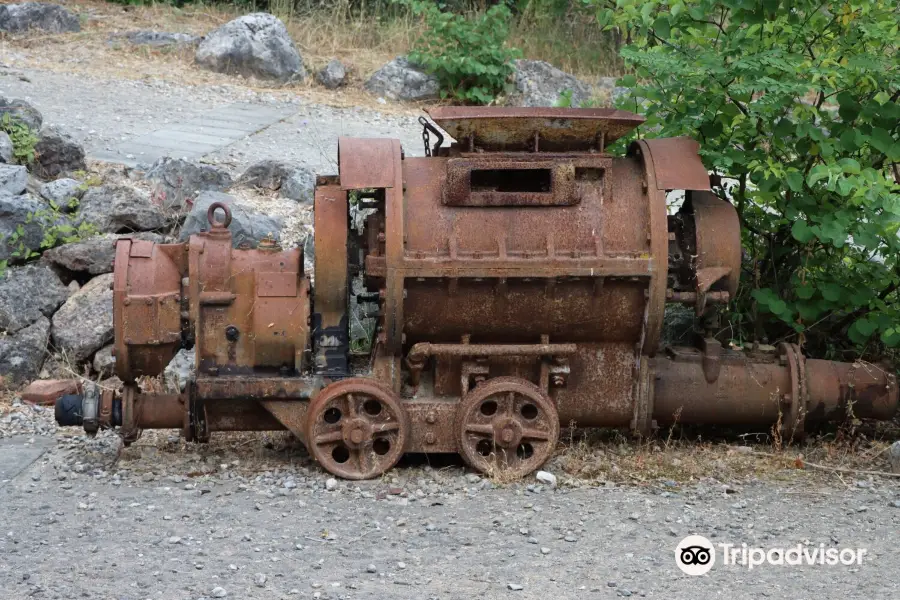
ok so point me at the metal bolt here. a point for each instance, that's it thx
(148, 301)
(381, 237)
(429, 438)
(430, 418)
(127, 302)
(558, 380)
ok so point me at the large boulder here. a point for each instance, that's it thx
(53, 18)
(62, 193)
(176, 181)
(114, 208)
(255, 45)
(267, 174)
(57, 153)
(160, 39)
(19, 110)
(22, 354)
(7, 150)
(300, 186)
(95, 255)
(333, 75)
(13, 179)
(84, 324)
(402, 80)
(247, 226)
(539, 83)
(28, 293)
(23, 221)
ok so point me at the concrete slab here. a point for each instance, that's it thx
(196, 137)
(16, 454)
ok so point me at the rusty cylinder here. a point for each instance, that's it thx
(752, 393)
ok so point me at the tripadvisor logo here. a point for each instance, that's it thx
(696, 555)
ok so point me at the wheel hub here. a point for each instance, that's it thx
(507, 432)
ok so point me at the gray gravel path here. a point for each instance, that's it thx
(259, 522)
(102, 113)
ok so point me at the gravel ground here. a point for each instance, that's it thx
(252, 517)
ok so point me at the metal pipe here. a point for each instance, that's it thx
(420, 352)
(757, 393)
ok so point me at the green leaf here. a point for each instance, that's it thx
(628, 81)
(802, 231)
(795, 181)
(831, 292)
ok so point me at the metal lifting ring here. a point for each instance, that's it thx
(211, 215)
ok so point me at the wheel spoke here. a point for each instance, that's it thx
(386, 427)
(485, 429)
(535, 434)
(509, 404)
(329, 437)
(362, 458)
(351, 405)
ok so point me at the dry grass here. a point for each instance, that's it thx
(603, 455)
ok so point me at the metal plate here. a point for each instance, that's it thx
(367, 162)
(276, 285)
(676, 163)
(499, 128)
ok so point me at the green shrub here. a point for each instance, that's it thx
(468, 55)
(22, 137)
(797, 104)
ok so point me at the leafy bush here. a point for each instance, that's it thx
(797, 104)
(22, 137)
(468, 55)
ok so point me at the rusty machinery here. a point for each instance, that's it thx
(513, 281)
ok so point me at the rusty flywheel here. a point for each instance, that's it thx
(357, 428)
(507, 426)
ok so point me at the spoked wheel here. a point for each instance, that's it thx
(507, 426)
(356, 428)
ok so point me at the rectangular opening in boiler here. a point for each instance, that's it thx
(511, 180)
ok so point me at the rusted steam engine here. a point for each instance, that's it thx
(515, 279)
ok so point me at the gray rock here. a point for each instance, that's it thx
(161, 39)
(333, 75)
(94, 255)
(331, 484)
(608, 86)
(401, 80)
(104, 362)
(255, 45)
(62, 192)
(13, 179)
(57, 153)
(22, 354)
(546, 478)
(894, 457)
(32, 215)
(84, 324)
(22, 111)
(267, 174)
(28, 293)
(300, 186)
(53, 18)
(6, 148)
(114, 208)
(175, 181)
(180, 371)
(247, 225)
(539, 83)
(218, 592)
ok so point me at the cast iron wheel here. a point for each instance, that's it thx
(506, 426)
(356, 428)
